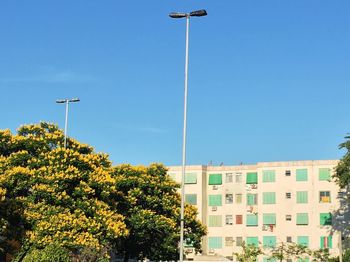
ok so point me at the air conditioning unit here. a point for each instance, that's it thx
(215, 187)
(214, 208)
(211, 252)
(254, 186)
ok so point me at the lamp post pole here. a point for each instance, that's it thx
(66, 101)
(187, 16)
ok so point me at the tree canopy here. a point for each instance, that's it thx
(342, 173)
(151, 205)
(73, 197)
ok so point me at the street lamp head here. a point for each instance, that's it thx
(177, 15)
(199, 13)
(74, 100)
(61, 101)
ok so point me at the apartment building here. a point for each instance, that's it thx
(265, 204)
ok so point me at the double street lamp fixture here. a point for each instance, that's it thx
(187, 16)
(66, 101)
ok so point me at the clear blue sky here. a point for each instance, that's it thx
(268, 80)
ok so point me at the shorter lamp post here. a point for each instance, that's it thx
(66, 101)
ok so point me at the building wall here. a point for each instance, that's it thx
(281, 191)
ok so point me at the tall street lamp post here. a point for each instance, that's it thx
(66, 101)
(187, 16)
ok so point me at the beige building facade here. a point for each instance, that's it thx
(266, 204)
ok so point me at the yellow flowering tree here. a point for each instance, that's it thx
(151, 205)
(49, 194)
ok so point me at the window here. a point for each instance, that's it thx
(252, 178)
(325, 196)
(252, 199)
(229, 219)
(289, 240)
(269, 219)
(303, 260)
(269, 176)
(302, 218)
(238, 178)
(288, 173)
(288, 195)
(215, 200)
(326, 242)
(229, 198)
(229, 241)
(239, 219)
(302, 197)
(325, 219)
(324, 174)
(229, 178)
(301, 175)
(215, 221)
(238, 198)
(288, 217)
(269, 198)
(215, 179)
(252, 241)
(252, 220)
(215, 242)
(190, 178)
(269, 241)
(191, 199)
(239, 241)
(303, 240)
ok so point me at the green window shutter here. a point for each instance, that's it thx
(191, 199)
(324, 174)
(302, 197)
(269, 241)
(302, 218)
(215, 179)
(215, 221)
(190, 178)
(325, 219)
(269, 198)
(303, 240)
(269, 176)
(215, 200)
(215, 242)
(252, 178)
(252, 199)
(252, 220)
(322, 244)
(301, 175)
(253, 241)
(269, 219)
(303, 260)
(330, 242)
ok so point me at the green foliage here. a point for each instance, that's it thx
(249, 253)
(342, 174)
(51, 253)
(49, 194)
(74, 197)
(151, 204)
(346, 255)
